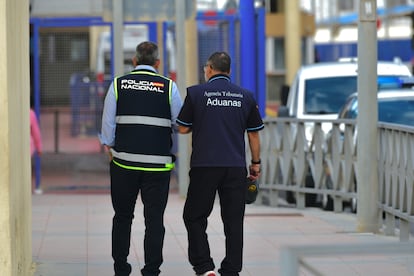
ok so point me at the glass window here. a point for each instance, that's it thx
(79, 49)
(347, 5)
(353, 110)
(279, 54)
(327, 95)
(397, 111)
(294, 96)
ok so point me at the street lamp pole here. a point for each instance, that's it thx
(183, 140)
(118, 37)
(367, 143)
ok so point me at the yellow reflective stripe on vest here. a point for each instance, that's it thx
(142, 158)
(170, 91)
(168, 167)
(143, 120)
(115, 84)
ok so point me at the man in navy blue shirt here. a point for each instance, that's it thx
(218, 113)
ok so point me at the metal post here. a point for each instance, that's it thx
(247, 45)
(232, 47)
(36, 93)
(292, 39)
(183, 158)
(367, 163)
(38, 173)
(36, 68)
(117, 37)
(261, 64)
(56, 129)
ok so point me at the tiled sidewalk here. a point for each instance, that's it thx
(72, 234)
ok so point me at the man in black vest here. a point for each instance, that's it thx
(218, 113)
(139, 114)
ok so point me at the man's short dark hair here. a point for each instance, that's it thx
(146, 53)
(220, 61)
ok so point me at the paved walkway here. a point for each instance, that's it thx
(72, 233)
(72, 224)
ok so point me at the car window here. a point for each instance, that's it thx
(399, 111)
(327, 95)
(351, 110)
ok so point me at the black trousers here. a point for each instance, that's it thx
(125, 186)
(230, 185)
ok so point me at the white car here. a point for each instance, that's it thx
(321, 89)
(395, 106)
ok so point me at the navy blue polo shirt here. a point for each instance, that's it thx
(219, 113)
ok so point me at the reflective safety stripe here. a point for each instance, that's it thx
(143, 120)
(142, 158)
(168, 167)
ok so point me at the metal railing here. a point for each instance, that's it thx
(396, 177)
(297, 152)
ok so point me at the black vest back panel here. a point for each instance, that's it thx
(143, 93)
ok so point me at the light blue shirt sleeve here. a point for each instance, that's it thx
(176, 104)
(107, 136)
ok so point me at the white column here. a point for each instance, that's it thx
(183, 140)
(292, 39)
(15, 176)
(118, 36)
(367, 144)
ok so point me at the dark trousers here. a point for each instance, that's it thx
(230, 185)
(125, 186)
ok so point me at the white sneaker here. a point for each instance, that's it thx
(208, 273)
(38, 191)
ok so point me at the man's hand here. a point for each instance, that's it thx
(183, 129)
(254, 170)
(108, 150)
